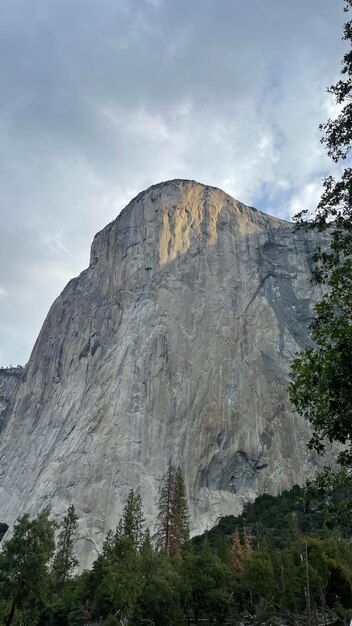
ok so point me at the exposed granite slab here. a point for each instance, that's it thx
(175, 343)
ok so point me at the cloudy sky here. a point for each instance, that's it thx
(101, 98)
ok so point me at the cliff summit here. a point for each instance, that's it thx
(175, 344)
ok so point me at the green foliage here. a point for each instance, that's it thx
(116, 578)
(118, 575)
(131, 583)
(119, 585)
(159, 599)
(181, 514)
(321, 388)
(24, 583)
(74, 607)
(132, 526)
(257, 579)
(291, 579)
(268, 519)
(64, 561)
(336, 489)
(272, 579)
(207, 586)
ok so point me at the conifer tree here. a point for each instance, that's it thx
(65, 561)
(165, 539)
(147, 546)
(172, 528)
(236, 552)
(107, 550)
(148, 563)
(132, 524)
(181, 514)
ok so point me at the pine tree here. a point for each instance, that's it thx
(165, 539)
(147, 546)
(119, 575)
(173, 527)
(181, 515)
(64, 561)
(105, 555)
(132, 525)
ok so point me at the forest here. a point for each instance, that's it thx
(284, 560)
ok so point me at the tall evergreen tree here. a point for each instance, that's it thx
(24, 565)
(132, 524)
(172, 528)
(181, 514)
(165, 527)
(65, 561)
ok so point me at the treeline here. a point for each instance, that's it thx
(169, 579)
(315, 510)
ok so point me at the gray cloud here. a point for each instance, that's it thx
(101, 99)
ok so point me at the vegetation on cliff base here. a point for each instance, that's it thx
(279, 562)
(24, 569)
(284, 560)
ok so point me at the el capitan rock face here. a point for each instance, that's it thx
(174, 344)
(10, 378)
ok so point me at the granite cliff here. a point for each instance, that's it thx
(10, 378)
(175, 343)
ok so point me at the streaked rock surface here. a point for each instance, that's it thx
(10, 378)
(174, 344)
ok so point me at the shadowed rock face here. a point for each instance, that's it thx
(174, 344)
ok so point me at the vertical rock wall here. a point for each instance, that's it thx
(10, 378)
(175, 343)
